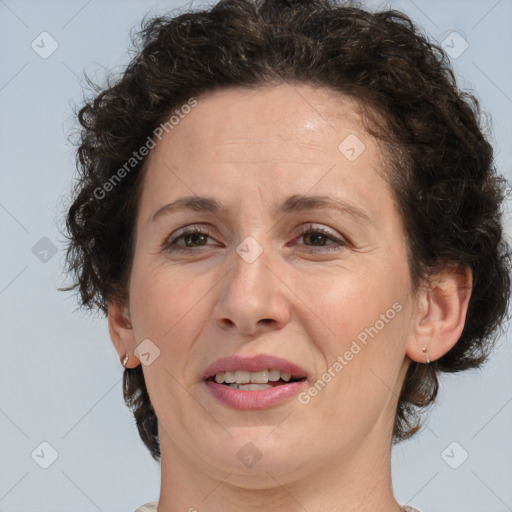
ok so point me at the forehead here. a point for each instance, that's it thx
(272, 115)
(279, 140)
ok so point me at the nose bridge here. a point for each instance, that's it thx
(251, 270)
(253, 250)
(252, 294)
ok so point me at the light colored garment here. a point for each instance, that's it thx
(151, 507)
(148, 507)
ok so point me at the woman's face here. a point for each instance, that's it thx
(337, 303)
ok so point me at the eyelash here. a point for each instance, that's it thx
(170, 246)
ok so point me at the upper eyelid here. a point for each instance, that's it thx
(200, 228)
(206, 227)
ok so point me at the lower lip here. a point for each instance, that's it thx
(240, 399)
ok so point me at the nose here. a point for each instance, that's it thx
(253, 298)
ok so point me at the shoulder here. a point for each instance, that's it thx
(148, 507)
(151, 507)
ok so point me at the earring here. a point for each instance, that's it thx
(424, 349)
(125, 360)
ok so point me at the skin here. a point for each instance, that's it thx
(251, 150)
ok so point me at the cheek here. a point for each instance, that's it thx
(161, 302)
(344, 302)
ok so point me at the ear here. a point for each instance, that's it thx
(441, 314)
(121, 333)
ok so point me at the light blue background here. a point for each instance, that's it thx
(60, 375)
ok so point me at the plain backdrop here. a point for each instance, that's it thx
(59, 373)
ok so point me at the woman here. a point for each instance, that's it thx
(291, 217)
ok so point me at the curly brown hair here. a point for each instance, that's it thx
(441, 165)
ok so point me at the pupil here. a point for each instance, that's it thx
(193, 237)
(315, 236)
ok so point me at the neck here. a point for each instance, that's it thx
(357, 480)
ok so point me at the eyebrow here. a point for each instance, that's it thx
(292, 204)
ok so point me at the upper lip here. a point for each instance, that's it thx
(254, 364)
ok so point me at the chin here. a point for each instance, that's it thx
(253, 452)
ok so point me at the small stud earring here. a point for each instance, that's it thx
(424, 349)
(125, 360)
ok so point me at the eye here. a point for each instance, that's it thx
(319, 235)
(193, 237)
(196, 237)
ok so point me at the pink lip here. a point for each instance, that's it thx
(254, 364)
(240, 399)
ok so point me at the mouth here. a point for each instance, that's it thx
(254, 383)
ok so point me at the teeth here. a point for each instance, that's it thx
(274, 375)
(241, 377)
(229, 377)
(259, 377)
